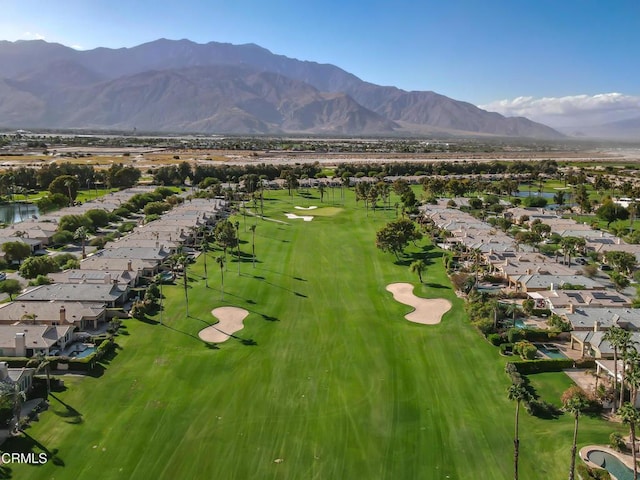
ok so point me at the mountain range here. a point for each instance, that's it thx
(180, 86)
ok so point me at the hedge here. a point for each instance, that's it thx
(545, 365)
(15, 362)
(538, 334)
(528, 367)
(586, 473)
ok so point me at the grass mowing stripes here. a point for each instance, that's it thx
(326, 375)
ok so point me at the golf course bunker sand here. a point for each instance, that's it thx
(293, 216)
(306, 208)
(230, 321)
(428, 311)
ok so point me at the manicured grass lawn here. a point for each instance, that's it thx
(326, 375)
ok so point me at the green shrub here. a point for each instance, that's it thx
(126, 227)
(62, 237)
(538, 202)
(514, 335)
(525, 349)
(527, 367)
(506, 348)
(495, 339)
(538, 334)
(616, 442)
(485, 325)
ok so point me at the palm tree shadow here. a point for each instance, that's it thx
(71, 411)
(25, 443)
(180, 331)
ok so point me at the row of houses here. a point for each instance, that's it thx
(46, 318)
(590, 305)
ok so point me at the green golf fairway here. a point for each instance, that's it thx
(326, 380)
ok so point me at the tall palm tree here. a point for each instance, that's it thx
(613, 336)
(418, 267)
(630, 416)
(220, 261)
(158, 280)
(205, 247)
(517, 393)
(512, 309)
(633, 380)
(44, 364)
(183, 260)
(69, 183)
(82, 234)
(237, 225)
(575, 402)
(253, 243)
(627, 349)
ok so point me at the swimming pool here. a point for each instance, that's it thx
(611, 464)
(84, 350)
(550, 351)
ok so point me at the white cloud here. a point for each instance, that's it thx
(571, 110)
(32, 36)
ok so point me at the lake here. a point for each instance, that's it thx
(17, 212)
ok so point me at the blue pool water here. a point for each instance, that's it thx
(611, 464)
(551, 353)
(84, 353)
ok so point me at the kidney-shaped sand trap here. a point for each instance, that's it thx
(428, 311)
(231, 320)
(312, 207)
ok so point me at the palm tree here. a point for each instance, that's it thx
(220, 261)
(158, 280)
(613, 336)
(69, 183)
(237, 224)
(253, 243)
(633, 380)
(630, 416)
(517, 393)
(183, 260)
(205, 247)
(512, 309)
(575, 402)
(418, 267)
(44, 364)
(82, 234)
(626, 348)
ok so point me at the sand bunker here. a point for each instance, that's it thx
(428, 311)
(231, 320)
(306, 208)
(293, 216)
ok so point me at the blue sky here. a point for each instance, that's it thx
(514, 56)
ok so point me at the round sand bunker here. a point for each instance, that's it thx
(428, 311)
(230, 321)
